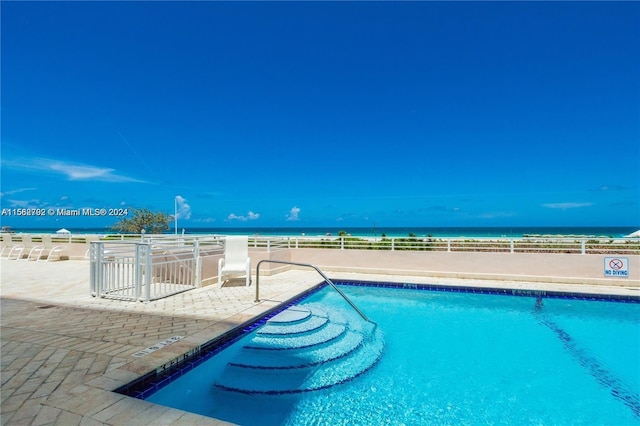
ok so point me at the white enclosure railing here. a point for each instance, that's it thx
(147, 270)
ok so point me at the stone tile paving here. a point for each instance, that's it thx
(63, 351)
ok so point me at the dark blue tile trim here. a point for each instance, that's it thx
(618, 388)
(148, 384)
(496, 291)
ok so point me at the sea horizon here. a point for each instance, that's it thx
(391, 231)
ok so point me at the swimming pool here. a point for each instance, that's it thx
(450, 358)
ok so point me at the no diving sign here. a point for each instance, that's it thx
(616, 267)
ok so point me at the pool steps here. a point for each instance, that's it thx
(327, 334)
(322, 349)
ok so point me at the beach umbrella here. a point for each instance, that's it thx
(63, 231)
(633, 235)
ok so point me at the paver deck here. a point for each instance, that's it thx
(63, 351)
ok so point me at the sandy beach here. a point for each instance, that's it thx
(64, 351)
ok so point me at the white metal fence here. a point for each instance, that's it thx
(536, 244)
(575, 245)
(149, 269)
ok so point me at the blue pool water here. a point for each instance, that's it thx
(449, 358)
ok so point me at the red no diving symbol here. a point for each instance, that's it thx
(616, 264)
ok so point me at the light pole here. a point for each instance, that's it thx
(175, 214)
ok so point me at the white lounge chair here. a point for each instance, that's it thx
(20, 244)
(51, 249)
(14, 251)
(36, 252)
(236, 259)
(30, 246)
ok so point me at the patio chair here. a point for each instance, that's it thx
(25, 246)
(51, 249)
(36, 252)
(11, 248)
(14, 251)
(33, 248)
(236, 259)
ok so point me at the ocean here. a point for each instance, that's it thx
(436, 232)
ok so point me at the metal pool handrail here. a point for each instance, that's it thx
(308, 265)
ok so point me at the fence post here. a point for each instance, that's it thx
(96, 251)
(449, 246)
(512, 246)
(147, 271)
(138, 271)
(198, 264)
(92, 271)
(583, 246)
(268, 245)
(341, 243)
(143, 276)
(393, 244)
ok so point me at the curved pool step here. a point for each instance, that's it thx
(291, 315)
(316, 354)
(298, 380)
(298, 341)
(299, 359)
(278, 326)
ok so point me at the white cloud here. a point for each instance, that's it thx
(613, 188)
(70, 170)
(294, 214)
(496, 215)
(74, 172)
(565, 206)
(27, 204)
(249, 216)
(16, 191)
(205, 220)
(184, 209)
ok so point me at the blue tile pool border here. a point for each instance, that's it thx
(555, 294)
(145, 386)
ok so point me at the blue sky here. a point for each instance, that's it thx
(323, 113)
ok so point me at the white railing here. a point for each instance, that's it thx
(520, 245)
(214, 243)
(114, 270)
(145, 271)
